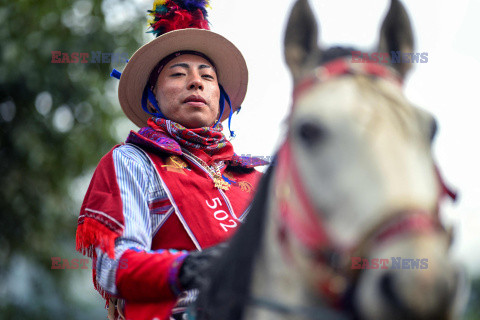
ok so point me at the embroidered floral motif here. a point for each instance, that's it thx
(176, 164)
(244, 185)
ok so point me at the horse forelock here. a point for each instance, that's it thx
(335, 52)
(388, 102)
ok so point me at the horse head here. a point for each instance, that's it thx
(357, 189)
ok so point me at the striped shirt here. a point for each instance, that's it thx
(145, 208)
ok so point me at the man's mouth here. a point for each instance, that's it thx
(195, 100)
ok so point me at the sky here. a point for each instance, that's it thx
(447, 85)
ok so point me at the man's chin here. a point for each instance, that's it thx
(194, 123)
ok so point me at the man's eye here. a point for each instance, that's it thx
(208, 76)
(177, 74)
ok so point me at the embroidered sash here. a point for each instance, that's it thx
(209, 215)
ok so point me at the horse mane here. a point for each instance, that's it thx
(226, 291)
(335, 52)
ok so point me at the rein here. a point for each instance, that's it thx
(298, 216)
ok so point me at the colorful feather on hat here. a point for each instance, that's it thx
(169, 15)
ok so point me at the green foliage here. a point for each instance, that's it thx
(473, 308)
(56, 121)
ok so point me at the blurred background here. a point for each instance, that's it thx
(58, 119)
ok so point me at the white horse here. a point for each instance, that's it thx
(346, 222)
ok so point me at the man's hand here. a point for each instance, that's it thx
(192, 274)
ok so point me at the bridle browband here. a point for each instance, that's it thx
(345, 66)
(298, 217)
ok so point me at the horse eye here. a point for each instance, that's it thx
(310, 133)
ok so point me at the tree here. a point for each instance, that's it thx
(56, 121)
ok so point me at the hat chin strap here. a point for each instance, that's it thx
(148, 94)
(224, 97)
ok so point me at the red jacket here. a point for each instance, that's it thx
(203, 216)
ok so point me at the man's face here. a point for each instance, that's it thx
(187, 91)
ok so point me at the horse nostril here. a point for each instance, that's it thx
(310, 133)
(386, 286)
(388, 290)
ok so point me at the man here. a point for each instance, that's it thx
(175, 187)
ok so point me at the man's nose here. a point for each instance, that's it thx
(195, 82)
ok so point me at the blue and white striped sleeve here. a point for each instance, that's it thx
(138, 183)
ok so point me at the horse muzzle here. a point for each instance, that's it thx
(418, 281)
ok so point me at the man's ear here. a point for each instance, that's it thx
(150, 107)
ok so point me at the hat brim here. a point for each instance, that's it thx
(231, 68)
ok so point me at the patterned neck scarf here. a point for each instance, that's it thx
(207, 142)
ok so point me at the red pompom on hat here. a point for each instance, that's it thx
(174, 15)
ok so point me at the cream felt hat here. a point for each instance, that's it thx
(230, 65)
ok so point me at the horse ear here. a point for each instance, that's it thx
(300, 43)
(397, 35)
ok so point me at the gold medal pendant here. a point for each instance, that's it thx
(214, 172)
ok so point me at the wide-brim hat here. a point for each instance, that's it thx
(232, 72)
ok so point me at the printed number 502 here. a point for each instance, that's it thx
(221, 215)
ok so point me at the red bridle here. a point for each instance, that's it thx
(299, 217)
(344, 66)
